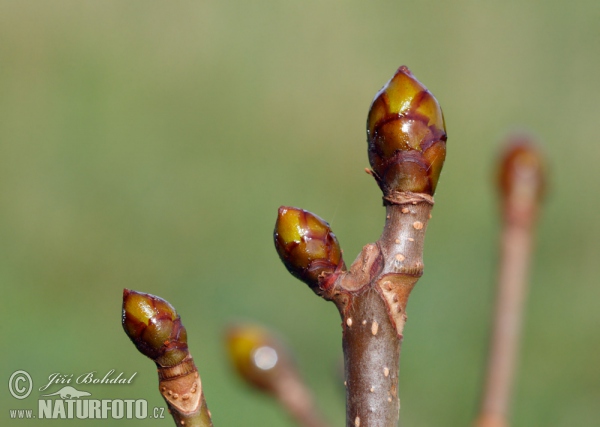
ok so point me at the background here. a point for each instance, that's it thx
(148, 145)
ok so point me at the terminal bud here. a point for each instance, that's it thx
(154, 327)
(406, 134)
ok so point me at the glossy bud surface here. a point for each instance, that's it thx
(154, 327)
(306, 245)
(406, 134)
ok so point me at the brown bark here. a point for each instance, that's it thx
(372, 298)
(371, 357)
(181, 387)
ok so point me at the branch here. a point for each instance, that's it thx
(156, 330)
(407, 147)
(521, 186)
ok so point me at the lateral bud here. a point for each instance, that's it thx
(406, 135)
(307, 247)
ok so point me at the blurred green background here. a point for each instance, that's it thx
(149, 144)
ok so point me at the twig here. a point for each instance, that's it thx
(156, 330)
(407, 147)
(521, 186)
(265, 364)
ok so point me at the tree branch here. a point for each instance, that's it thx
(406, 147)
(372, 302)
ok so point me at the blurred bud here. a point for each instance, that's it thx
(406, 135)
(154, 327)
(521, 177)
(306, 245)
(258, 357)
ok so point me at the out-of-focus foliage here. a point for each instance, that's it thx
(148, 145)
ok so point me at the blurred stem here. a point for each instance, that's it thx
(297, 399)
(516, 248)
(522, 183)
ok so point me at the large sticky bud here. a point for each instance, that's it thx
(306, 245)
(406, 135)
(154, 327)
(521, 178)
(257, 356)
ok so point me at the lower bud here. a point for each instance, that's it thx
(307, 246)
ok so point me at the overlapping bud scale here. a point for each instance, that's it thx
(306, 245)
(406, 135)
(154, 327)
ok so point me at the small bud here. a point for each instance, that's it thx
(257, 356)
(521, 178)
(406, 135)
(154, 327)
(306, 245)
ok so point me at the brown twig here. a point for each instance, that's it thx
(372, 299)
(521, 185)
(407, 147)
